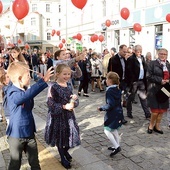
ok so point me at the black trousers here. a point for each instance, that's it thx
(17, 146)
(83, 85)
(137, 86)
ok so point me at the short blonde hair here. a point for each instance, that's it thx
(114, 77)
(16, 70)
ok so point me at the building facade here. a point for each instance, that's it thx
(61, 15)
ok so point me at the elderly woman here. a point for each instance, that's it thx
(158, 76)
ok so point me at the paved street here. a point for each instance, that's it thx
(140, 151)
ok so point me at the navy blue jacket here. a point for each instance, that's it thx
(114, 112)
(20, 105)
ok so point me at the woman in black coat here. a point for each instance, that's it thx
(158, 75)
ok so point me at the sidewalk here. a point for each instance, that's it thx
(140, 151)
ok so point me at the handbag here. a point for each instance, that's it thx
(163, 94)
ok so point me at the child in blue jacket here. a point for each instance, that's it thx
(21, 128)
(114, 112)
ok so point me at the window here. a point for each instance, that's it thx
(131, 37)
(59, 22)
(158, 36)
(48, 22)
(34, 7)
(117, 38)
(33, 37)
(59, 8)
(48, 36)
(47, 7)
(33, 22)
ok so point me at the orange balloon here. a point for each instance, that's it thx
(19, 41)
(79, 36)
(101, 38)
(27, 46)
(58, 33)
(60, 45)
(63, 41)
(20, 8)
(137, 27)
(95, 37)
(1, 7)
(108, 23)
(125, 13)
(79, 3)
(92, 39)
(168, 17)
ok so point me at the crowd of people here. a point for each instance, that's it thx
(123, 75)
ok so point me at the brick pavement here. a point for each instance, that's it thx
(140, 151)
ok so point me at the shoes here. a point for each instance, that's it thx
(93, 90)
(66, 164)
(101, 90)
(68, 156)
(158, 131)
(135, 102)
(114, 152)
(124, 121)
(86, 95)
(111, 148)
(149, 130)
(148, 116)
(129, 115)
(79, 93)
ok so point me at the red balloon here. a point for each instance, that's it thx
(53, 32)
(58, 33)
(125, 13)
(137, 27)
(20, 8)
(63, 41)
(79, 36)
(1, 7)
(60, 45)
(95, 37)
(168, 17)
(74, 37)
(92, 39)
(19, 41)
(101, 38)
(79, 3)
(108, 23)
(27, 46)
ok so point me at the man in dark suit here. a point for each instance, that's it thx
(136, 80)
(117, 64)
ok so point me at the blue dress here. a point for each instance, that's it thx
(61, 126)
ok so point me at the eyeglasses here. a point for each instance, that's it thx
(163, 54)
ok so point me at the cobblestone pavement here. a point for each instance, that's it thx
(140, 151)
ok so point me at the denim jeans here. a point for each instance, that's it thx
(35, 76)
(17, 146)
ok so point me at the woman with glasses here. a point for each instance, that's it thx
(158, 77)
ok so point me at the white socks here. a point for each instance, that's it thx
(113, 137)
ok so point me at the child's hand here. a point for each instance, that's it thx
(99, 109)
(74, 96)
(48, 74)
(69, 106)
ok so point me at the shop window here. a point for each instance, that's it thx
(158, 36)
(117, 38)
(131, 37)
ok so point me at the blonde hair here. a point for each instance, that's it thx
(16, 70)
(114, 77)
